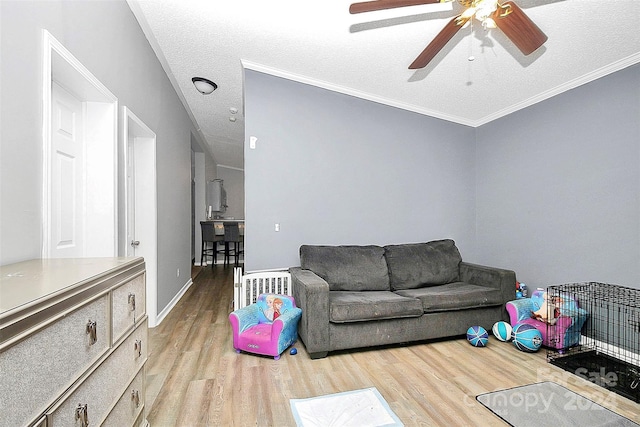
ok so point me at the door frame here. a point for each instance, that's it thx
(143, 140)
(100, 114)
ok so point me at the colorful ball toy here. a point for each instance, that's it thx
(502, 331)
(477, 336)
(526, 338)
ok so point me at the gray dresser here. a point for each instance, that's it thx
(73, 342)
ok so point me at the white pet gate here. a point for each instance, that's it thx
(247, 287)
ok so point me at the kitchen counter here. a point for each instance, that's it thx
(218, 225)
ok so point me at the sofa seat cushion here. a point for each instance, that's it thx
(347, 306)
(416, 265)
(347, 268)
(454, 296)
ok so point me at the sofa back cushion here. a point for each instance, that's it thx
(423, 264)
(347, 268)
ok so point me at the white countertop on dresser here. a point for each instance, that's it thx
(29, 281)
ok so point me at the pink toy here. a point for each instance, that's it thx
(558, 318)
(267, 327)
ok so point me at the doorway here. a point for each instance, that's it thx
(141, 206)
(79, 159)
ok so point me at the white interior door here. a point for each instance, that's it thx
(79, 162)
(67, 175)
(142, 206)
(131, 243)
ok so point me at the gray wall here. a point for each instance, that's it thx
(334, 169)
(107, 39)
(558, 196)
(552, 191)
(234, 186)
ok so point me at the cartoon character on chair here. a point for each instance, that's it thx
(274, 307)
(277, 308)
(267, 327)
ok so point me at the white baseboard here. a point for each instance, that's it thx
(172, 303)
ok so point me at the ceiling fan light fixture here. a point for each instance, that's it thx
(468, 13)
(204, 86)
(502, 14)
(483, 11)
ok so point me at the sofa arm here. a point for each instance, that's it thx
(491, 277)
(311, 293)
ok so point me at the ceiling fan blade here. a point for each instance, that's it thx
(438, 42)
(520, 29)
(370, 6)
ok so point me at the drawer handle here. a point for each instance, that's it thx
(92, 331)
(137, 347)
(82, 414)
(132, 302)
(135, 397)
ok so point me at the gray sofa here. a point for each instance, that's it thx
(361, 296)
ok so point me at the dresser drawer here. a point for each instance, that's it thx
(99, 392)
(128, 305)
(39, 368)
(130, 405)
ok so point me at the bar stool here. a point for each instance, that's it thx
(232, 236)
(208, 237)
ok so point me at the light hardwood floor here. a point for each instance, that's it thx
(195, 378)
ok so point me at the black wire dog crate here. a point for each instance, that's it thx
(608, 352)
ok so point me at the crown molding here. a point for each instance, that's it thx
(352, 92)
(572, 84)
(230, 167)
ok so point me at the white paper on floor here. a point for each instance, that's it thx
(357, 408)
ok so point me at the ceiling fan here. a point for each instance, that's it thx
(507, 16)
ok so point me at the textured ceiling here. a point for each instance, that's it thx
(367, 55)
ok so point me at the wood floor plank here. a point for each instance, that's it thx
(195, 378)
(167, 406)
(195, 407)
